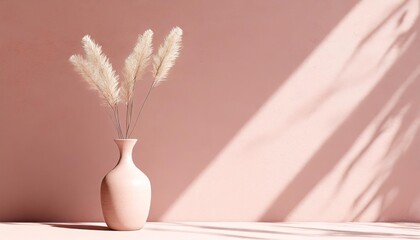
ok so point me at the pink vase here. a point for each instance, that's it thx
(125, 192)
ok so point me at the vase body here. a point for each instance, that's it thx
(125, 192)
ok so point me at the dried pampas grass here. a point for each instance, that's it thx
(99, 74)
(136, 64)
(164, 60)
(97, 71)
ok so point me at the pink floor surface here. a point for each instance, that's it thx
(211, 230)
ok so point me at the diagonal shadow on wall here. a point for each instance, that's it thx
(338, 144)
(396, 194)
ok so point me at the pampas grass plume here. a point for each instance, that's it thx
(167, 54)
(136, 63)
(97, 71)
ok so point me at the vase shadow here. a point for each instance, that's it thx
(81, 226)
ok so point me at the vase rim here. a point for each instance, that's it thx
(125, 139)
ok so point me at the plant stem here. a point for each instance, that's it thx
(116, 114)
(131, 115)
(127, 118)
(141, 108)
(112, 119)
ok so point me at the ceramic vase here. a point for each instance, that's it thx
(125, 192)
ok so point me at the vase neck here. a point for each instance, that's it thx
(125, 146)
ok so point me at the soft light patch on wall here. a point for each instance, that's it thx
(271, 170)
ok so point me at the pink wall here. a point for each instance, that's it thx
(276, 110)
